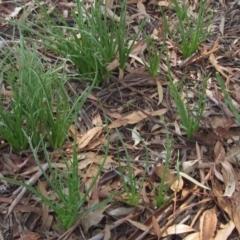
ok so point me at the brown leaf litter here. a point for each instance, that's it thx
(137, 103)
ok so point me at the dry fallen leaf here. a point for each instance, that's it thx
(160, 92)
(92, 218)
(113, 65)
(208, 224)
(170, 178)
(218, 67)
(141, 7)
(31, 236)
(136, 137)
(178, 229)
(228, 179)
(47, 219)
(219, 152)
(233, 155)
(221, 25)
(139, 225)
(121, 211)
(224, 203)
(236, 209)
(135, 117)
(85, 139)
(225, 231)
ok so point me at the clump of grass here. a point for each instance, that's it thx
(39, 105)
(190, 33)
(190, 118)
(70, 203)
(95, 41)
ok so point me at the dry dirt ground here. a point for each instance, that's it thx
(138, 102)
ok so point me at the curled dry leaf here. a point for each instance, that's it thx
(225, 231)
(193, 236)
(228, 179)
(97, 120)
(222, 24)
(178, 229)
(135, 117)
(208, 224)
(224, 203)
(141, 7)
(121, 211)
(170, 178)
(189, 166)
(218, 67)
(136, 137)
(233, 155)
(160, 92)
(107, 232)
(217, 174)
(156, 226)
(139, 225)
(92, 218)
(31, 236)
(219, 152)
(87, 137)
(139, 47)
(113, 65)
(219, 122)
(236, 210)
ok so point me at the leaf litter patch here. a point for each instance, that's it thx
(140, 112)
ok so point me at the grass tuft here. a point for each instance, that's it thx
(70, 203)
(188, 33)
(190, 118)
(96, 39)
(39, 105)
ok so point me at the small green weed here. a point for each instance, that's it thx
(189, 33)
